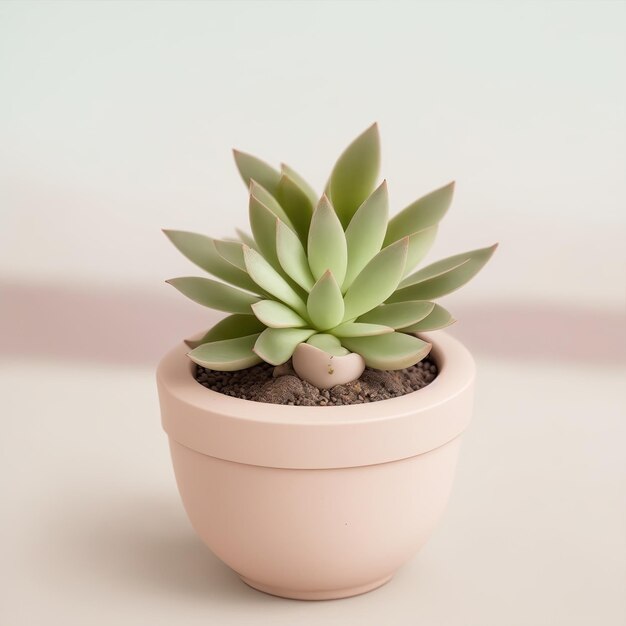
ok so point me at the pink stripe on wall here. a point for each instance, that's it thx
(128, 326)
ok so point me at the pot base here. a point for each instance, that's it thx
(329, 594)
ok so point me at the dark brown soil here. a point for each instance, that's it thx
(280, 385)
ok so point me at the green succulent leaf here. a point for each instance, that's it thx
(438, 318)
(327, 343)
(252, 168)
(325, 302)
(358, 329)
(419, 245)
(276, 345)
(231, 327)
(215, 295)
(327, 248)
(266, 277)
(277, 315)
(398, 315)
(366, 232)
(244, 237)
(442, 277)
(377, 281)
(231, 251)
(354, 176)
(269, 201)
(308, 190)
(296, 203)
(425, 212)
(292, 256)
(201, 250)
(227, 355)
(392, 351)
(263, 224)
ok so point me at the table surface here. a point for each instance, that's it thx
(94, 531)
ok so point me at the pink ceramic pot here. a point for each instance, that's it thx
(316, 502)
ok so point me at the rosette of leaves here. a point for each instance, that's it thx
(332, 271)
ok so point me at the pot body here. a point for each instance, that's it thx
(315, 533)
(299, 519)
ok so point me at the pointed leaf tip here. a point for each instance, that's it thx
(425, 212)
(262, 195)
(230, 327)
(366, 232)
(325, 302)
(301, 183)
(354, 176)
(263, 226)
(215, 295)
(251, 167)
(201, 250)
(443, 277)
(266, 277)
(400, 314)
(437, 318)
(377, 281)
(298, 201)
(327, 247)
(231, 251)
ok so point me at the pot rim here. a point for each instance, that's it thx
(277, 435)
(454, 362)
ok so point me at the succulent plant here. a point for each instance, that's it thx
(330, 273)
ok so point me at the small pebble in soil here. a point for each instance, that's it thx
(281, 385)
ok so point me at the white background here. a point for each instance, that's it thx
(117, 119)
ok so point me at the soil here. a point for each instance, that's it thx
(281, 385)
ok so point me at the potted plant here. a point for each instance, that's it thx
(314, 431)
